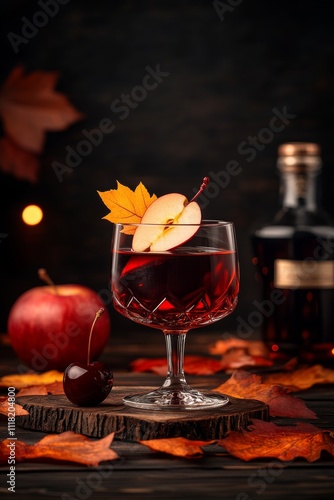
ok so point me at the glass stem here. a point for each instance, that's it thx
(175, 344)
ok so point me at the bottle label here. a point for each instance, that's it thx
(307, 273)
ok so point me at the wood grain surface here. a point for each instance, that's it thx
(56, 414)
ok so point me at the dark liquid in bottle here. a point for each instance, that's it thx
(300, 319)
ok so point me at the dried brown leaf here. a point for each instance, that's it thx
(267, 440)
(180, 447)
(281, 402)
(65, 447)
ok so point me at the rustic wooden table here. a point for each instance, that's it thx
(143, 474)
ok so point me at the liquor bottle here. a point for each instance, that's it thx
(294, 259)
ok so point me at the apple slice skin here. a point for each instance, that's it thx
(166, 213)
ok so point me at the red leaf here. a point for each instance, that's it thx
(281, 402)
(18, 162)
(29, 106)
(193, 365)
(267, 440)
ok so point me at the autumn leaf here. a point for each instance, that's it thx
(238, 353)
(180, 447)
(200, 365)
(267, 440)
(30, 106)
(193, 365)
(65, 447)
(251, 347)
(125, 205)
(42, 390)
(301, 378)
(20, 380)
(14, 160)
(19, 410)
(281, 402)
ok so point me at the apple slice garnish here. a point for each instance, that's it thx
(167, 213)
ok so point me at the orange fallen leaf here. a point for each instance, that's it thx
(42, 390)
(267, 440)
(14, 160)
(193, 365)
(126, 205)
(180, 447)
(200, 365)
(33, 390)
(5, 407)
(301, 378)
(281, 402)
(20, 380)
(30, 106)
(238, 353)
(252, 347)
(65, 447)
(238, 358)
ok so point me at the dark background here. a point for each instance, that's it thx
(226, 77)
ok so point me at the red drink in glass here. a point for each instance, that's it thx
(183, 288)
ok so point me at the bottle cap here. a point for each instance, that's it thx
(299, 149)
(299, 157)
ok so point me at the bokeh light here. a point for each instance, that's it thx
(32, 215)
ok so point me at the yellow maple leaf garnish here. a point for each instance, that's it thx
(126, 206)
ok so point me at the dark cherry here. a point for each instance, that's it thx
(88, 384)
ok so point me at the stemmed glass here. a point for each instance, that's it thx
(188, 287)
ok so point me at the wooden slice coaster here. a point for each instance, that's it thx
(55, 414)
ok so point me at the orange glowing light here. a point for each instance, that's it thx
(32, 215)
(332, 351)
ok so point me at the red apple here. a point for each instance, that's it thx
(49, 326)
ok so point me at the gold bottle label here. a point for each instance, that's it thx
(307, 273)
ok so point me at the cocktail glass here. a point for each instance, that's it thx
(187, 287)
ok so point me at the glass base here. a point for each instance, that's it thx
(163, 399)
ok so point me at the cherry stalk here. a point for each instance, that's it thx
(204, 184)
(98, 314)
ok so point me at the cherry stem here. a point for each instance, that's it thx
(97, 315)
(43, 275)
(204, 184)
